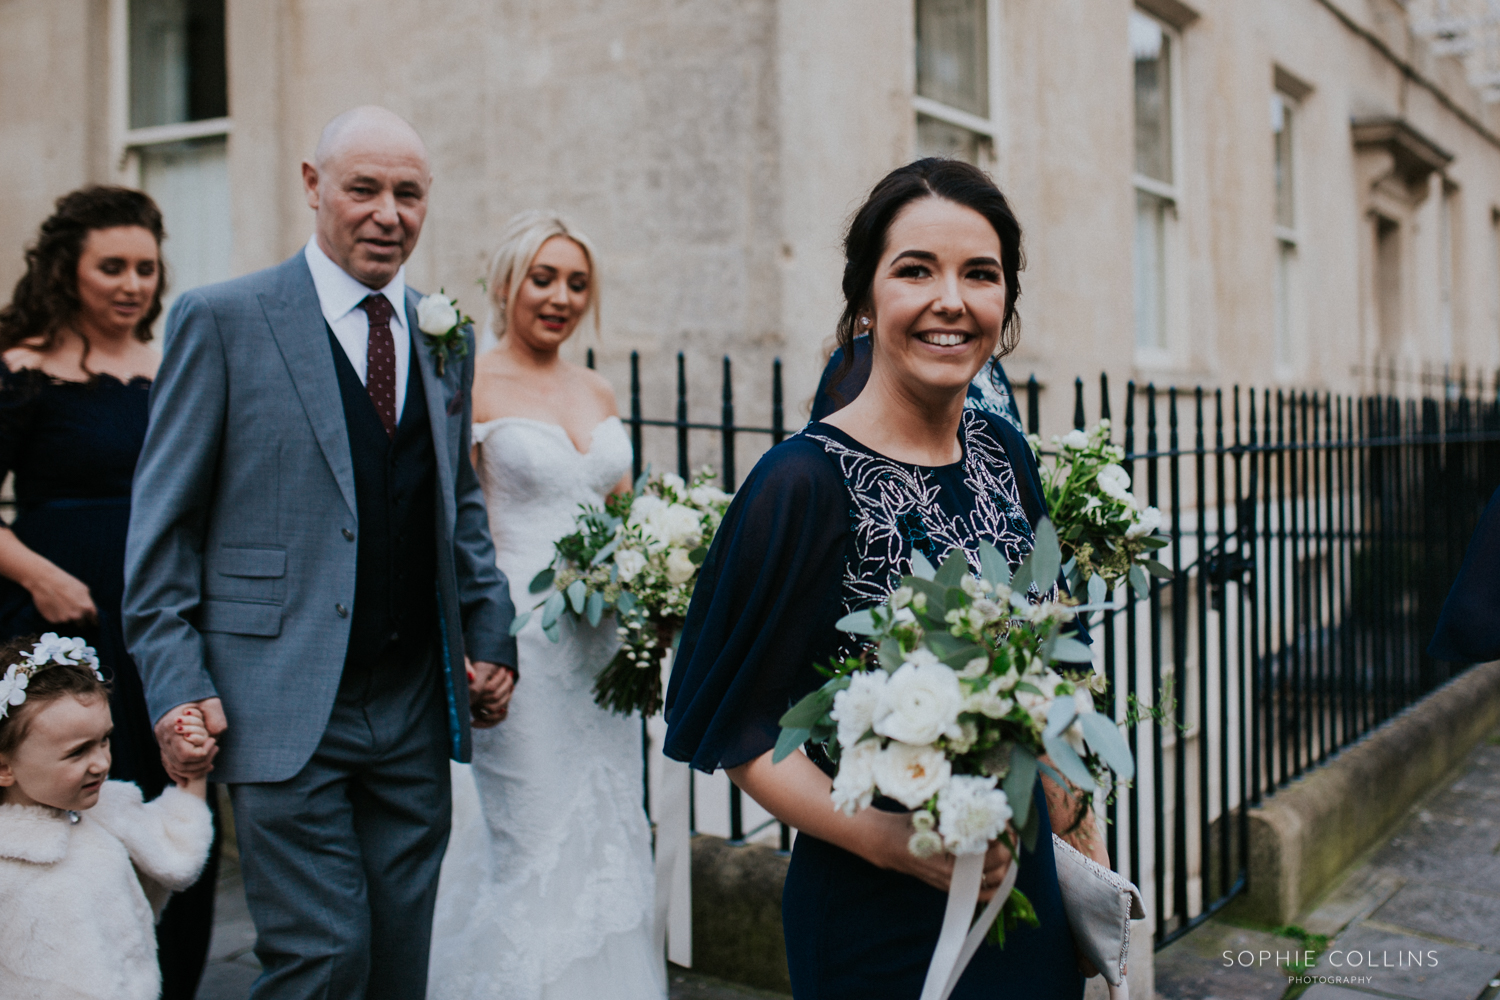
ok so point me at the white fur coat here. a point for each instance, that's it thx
(79, 901)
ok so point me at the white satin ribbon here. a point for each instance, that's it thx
(954, 947)
(671, 784)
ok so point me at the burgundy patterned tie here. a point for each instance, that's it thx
(380, 360)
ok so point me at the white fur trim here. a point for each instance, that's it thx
(36, 834)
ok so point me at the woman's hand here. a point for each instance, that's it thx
(62, 598)
(890, 851)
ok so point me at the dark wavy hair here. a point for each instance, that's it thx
(46, 298)
(46, 685)
(865, 241)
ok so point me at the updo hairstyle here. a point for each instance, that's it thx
(46, 298)
(865, 242)
(520, 242)
(46, 685)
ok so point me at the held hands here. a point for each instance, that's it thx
(191, 728)
(490, 688)
(188, 736)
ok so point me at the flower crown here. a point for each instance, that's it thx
(52, 649)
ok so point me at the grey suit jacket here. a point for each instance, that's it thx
(239, 564)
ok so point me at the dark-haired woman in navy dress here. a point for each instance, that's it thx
(75, 377)
(826, 524)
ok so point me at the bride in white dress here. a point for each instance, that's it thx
(547, 886)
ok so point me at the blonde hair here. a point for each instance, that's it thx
(520, 242)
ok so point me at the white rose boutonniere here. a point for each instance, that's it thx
(439, 318)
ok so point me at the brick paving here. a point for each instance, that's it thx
(1418, 918)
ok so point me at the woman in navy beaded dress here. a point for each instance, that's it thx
(75, 376)
(826, 524)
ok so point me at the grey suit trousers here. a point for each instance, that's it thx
(341, 861)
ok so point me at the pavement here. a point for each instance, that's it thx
(1418, 918)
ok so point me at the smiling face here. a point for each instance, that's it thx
(119, 272)
(64, 756)
(369, 188)
(938, 298)
(552, 297)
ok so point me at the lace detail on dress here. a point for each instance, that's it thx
(894, 508)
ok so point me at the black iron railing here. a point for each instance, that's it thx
(1313, 540)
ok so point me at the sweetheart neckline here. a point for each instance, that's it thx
(557, 427)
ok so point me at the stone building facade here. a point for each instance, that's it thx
(1285, 192)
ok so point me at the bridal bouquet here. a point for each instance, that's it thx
(638, 558)
(1105, 534)
(966, 685)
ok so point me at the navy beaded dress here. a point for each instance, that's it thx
(73, 448)
(821, 527)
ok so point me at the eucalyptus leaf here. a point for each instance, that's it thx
(578, 591)
(1104, 737)
(1028, 686)
(809, 711)
(1022, 580)
(945, 643)
(1067, 649)
(606, 552)
(519, 622)
(1154, 542)
(996, 569)
(1098, 589)
(1068, 762)
(698, 555)
(858, 623)
(788, 742)
(890, 655)
(1158, 570)
(1046, 556)
(1139, 582)
(920, 567)
(959, 658)
(625, 602)
(552, 609)
(1030, 829)
(936, 594)
(954, 569)
(1060, 716)
(595, 607)
(553, 632)
(1018, 783)
(542, 580)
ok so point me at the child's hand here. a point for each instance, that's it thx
(190, 725)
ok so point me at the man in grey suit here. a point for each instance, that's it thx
(309, 562)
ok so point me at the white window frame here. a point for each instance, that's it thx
(988, 129)
(1173, 302)
(1289, 359)
(126, 142)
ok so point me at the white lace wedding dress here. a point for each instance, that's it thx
(547, 887)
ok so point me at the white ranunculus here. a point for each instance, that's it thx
(925, 844)
(854, 785)
(911, 775)
(854, 707)
(919, 703)
(707, 496)
(676, 524)
(922, 657)
(1146, 522)
(971, 813)
(1075, 439)
(629, 563)
(436, 315)
(1115, 482)
(680, 568)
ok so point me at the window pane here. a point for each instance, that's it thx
(1151, 49)
(1150, 270)
(177, 67)
(1388, 285)
(953, 54)
(938, 138)
(1281, 125)
(1286, 256)
(190, 182)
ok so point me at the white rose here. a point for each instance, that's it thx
(707, 496)
(677, 524)
(436, 315)
(629, 563)
(971, 813)
(1114, 481)
(911, 775)
(673, 482)
(854, 785)
(920, 702)
(1146, 522)
(854, 707)
(680, 568)
(1075, 439)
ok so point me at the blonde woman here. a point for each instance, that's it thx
(547, 889)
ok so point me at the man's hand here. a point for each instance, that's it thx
(183, 753)
(490, 687)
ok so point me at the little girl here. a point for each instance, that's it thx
(85, 865)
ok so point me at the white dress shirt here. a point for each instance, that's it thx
(339, 295)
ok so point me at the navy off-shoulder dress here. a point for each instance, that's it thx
(821, 527)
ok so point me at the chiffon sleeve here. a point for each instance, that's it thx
(763, 611)
(19, 392)
(1468, 630)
